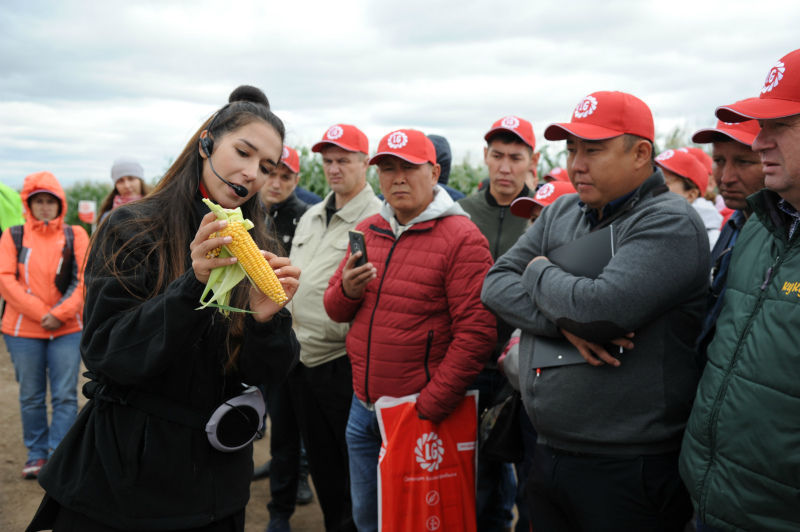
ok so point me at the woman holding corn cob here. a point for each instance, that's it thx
(141, 456)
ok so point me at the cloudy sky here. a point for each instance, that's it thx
(85, 81)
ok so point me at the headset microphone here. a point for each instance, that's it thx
(207, 145)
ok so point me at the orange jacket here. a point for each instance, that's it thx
(34, 294)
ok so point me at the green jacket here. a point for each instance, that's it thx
(501, 228)
(10, 208)
(741, 450)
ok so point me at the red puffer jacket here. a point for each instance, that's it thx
(420, 326)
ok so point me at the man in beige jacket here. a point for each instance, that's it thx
(322, 384)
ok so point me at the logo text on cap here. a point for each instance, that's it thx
(774, 77)
(511, 122)
(545, 191)
(586, 107)
(666, 155)
(334, 132)
(397, 140)
(285, 154)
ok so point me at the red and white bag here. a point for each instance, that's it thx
(426, 472)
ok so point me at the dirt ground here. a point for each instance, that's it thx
(20, 498)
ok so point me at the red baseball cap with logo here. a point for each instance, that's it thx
(780, 95)
(557, 174)
(290, 158)
(744, 132)
(547, 194)
(684, 164)
(347, 137)
(408, 144)
(605, 115)
(701, 156)
(520, 127)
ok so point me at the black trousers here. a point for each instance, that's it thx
(322, 397)
(284, 444)
(591, 493)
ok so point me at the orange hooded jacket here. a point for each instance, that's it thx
(34, 294)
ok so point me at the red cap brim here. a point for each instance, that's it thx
(757, 109)
(317, 148)
(523, 207)
(409, 158)
(584, 131)
(514, 131)
(706, 136)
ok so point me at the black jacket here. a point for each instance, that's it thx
(283, 218)
(135, 471)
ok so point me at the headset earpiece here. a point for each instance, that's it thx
(207, 145)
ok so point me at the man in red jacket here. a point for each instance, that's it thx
(418, 325)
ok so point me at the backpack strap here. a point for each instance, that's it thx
(17, 232)
(64, 273)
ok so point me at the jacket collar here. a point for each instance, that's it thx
(652, 186)
(765, 205)
(350, 212)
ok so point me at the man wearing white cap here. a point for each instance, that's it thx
(740, 456)
(610, 430)
(323, 381)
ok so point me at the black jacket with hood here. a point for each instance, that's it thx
(135, 471)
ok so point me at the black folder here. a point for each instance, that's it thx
(586, 256)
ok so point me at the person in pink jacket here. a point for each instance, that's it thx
(418, 325)
(42, 284)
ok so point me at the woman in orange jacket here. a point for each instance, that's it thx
(42, 284)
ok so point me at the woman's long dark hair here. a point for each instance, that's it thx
(163, 223)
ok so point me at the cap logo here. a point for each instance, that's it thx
(285, 154)
(334, 133)
(684, 150)
(511, 122)
(774, 77)
(586, 107)
(545, 191)
(666, 155)
(556, 171)
(397, 140)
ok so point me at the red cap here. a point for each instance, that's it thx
(547, 194)
(408, 144)
(521, 128)
(558, 173)
(779, 97)
(605, 115)
(701, 156)
(347, 137)
(744, 132)
(684, 164)
(290, 158)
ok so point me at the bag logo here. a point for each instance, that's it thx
(432, 498)
(397, 140)
(510, 122)
(433, 523)
(429, 451)
(545, 191)
(665, 155)
(334, 132)
(774, 77)
(285, 154)
(586, 107)
(790, 288)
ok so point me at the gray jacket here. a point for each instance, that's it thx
(655, 285)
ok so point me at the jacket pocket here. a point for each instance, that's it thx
(428, 346)
(136, 446)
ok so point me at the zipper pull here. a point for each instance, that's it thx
(766, 281)
(538, 371)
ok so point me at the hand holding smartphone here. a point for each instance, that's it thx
(357, 244)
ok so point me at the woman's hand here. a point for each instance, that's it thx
(201, 245)
(288, 275)
(50, 322)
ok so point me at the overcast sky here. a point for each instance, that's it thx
(84, 82)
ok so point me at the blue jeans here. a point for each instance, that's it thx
(34, 360)
(363, 446)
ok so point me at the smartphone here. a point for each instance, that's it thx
(357, 244)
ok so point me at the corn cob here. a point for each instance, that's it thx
(251, 263)
(244, 248)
